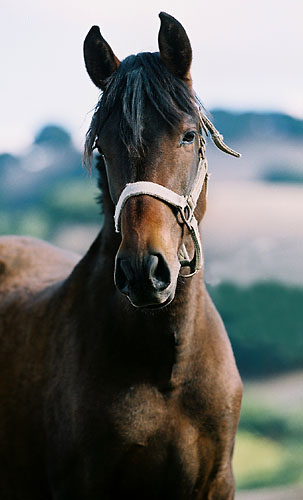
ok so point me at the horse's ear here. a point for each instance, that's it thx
(174, 46)
(100, 61)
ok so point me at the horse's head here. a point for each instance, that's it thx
(148, 128)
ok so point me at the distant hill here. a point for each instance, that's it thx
(51, 158)
(270, 143)
(237, 126)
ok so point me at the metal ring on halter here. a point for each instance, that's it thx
(188, 211)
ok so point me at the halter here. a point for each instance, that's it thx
(185, 204)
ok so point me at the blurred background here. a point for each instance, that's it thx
(248, 73)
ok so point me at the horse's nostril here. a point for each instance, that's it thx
(123, 274)
(160, 272)
(148, 274)
(127, 269)
(151, 263)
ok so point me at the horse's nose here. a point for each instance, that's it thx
(143, 279)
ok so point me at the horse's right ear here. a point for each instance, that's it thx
(100, 61)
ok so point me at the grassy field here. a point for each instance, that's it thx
(269, 446)
(287, 493)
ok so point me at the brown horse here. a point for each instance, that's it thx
(117, 375)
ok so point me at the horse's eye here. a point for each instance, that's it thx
(188, 137)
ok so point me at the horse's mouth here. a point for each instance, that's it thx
(161, 306)
(154, 302)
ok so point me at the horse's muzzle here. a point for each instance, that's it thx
(145, 280)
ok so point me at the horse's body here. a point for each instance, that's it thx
(101, 399)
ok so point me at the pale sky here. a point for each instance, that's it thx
(247, 55)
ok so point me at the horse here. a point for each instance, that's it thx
(117, 375)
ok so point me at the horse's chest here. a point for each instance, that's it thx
(146, 419)
(139, 413)
(154, 435)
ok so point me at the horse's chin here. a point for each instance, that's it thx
(154, 302)
(162, 305)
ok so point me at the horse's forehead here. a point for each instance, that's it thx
(154, 127)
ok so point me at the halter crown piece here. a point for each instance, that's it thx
(185, 204)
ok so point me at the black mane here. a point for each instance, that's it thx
(139, 79)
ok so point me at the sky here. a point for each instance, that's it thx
(247, 55)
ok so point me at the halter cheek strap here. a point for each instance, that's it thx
(185, 204)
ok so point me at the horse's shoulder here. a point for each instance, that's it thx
(25, 259)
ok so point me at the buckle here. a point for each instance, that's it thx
(188, 211)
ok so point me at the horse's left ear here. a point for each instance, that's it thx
(174, 46)
(100, 61)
